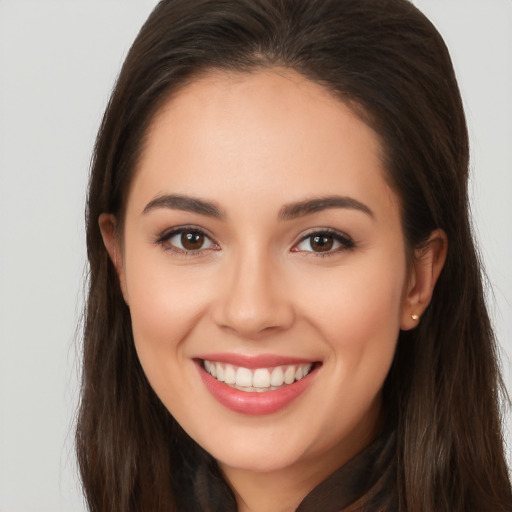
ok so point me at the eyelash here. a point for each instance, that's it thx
(166, 236)
(344, 241)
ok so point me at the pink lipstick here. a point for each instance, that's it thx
(255, 385)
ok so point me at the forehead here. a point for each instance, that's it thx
(256, 132)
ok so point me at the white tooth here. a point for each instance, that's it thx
(220, 372)
(307, 368)
(243, 377)
(229, 375)
(213, 370)
(246, 389)
(277, 377)
(207, 365)
(289, 375)
(261, 378)
(299, 373)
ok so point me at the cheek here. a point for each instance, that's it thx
(357, 302)
(165, 304)
(358, 313)
(359, 319)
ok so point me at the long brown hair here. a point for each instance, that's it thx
(388, 62)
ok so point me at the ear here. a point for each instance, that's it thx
(427, 265)
(108, 228)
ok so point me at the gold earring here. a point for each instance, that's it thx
(414, 317)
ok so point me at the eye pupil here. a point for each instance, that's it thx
(192, 241)
(322, 243)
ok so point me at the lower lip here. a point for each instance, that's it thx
(255, 403)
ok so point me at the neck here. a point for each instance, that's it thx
(261, 492)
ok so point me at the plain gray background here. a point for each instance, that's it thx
(58, 61)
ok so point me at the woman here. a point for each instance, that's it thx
(285, 307)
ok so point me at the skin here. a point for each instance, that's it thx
(251, 144)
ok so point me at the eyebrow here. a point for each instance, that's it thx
(287, 212)
(185, 203)
(294, 210)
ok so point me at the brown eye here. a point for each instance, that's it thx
(322, 243)
(192, 241)
(326, 242)
(187, 241)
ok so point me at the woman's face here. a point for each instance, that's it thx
(261, 243)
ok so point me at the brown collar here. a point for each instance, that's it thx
(360, 484)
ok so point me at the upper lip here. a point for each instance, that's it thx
(254, 361)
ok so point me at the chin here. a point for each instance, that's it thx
(256, 461)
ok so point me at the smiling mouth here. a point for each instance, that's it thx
(257, 380)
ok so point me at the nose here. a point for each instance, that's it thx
(253, 299)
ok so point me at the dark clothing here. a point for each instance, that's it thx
(363, 484)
